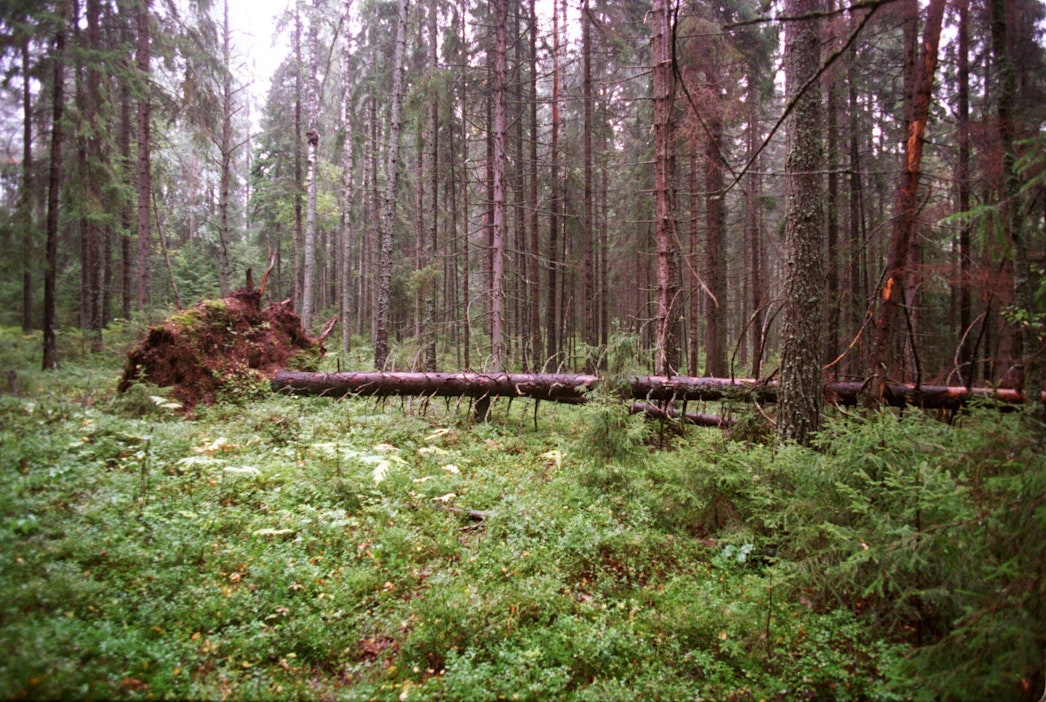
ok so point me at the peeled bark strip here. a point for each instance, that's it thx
(570, 388)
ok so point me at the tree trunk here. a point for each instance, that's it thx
(466, 327)
(589, 303)
(299, 228)
(54, 184)
(831, 335)
(369, 299)
(95, 172)
(225, 156)
(1012, 214)
(145, 178)
(497, 282)
(802, 387)
(25, 199)
(312, 136)
(551, 316)
(347, 167)
(666, 351)
(308, 265)
(715, 233)
(126, 205)
(695, 292)
(906, 218)
(388, 205)
(857, 254)
(574, 389)
(965, 344)
(431, 244)
(533, 270)
(753, 230)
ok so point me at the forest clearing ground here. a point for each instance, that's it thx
(302, 547)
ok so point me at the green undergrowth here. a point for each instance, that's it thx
(311, 548)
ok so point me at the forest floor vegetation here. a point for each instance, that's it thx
(277, 547)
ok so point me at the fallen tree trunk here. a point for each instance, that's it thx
(570, 388)
(700, 419)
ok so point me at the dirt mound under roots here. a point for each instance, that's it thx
(221, 345)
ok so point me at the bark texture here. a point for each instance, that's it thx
(1024, 281)
(906, 219)
(145, 178)
(312, 137)
(388, 205)
(225, 149)
(573, 389)
(802, 387)
(54, 184)
(666, 352)
(347, 190)
(497, 276)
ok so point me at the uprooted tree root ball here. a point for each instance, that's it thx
(219, 345)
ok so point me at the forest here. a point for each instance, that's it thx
(666, 349)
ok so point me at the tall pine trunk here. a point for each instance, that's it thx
(94, 171)
(753, 230)
(856, 250)
(145, 178)
(905, 221)
(347, 167)
(715, 234)
(694, 292)
(533, 270)
(225, 149)
(666, 351)
(832, 109)
(967, 372)
(497, 282)
(589, 306)
(802, 387)
(431, 243)
(25, 199)
(299, 97)
(1012, 214)
(54, 184)
(551, 314)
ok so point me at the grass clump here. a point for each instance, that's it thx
(289, 547)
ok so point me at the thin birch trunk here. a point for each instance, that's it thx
(312, 136)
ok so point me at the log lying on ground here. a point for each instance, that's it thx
(700, 419)
(564, 387)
